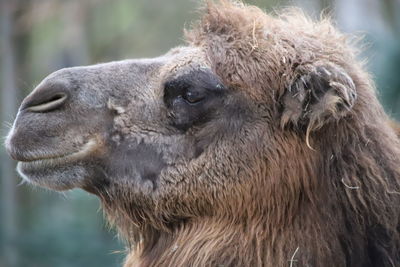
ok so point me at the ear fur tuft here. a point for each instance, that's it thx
(321, 93)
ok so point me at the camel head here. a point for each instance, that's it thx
(247, 121)
(184, 134)
(132, 119)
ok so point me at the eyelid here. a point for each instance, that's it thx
(193, 97)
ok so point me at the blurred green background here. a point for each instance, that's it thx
(42, 228)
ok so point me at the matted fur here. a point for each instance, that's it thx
(328, 192)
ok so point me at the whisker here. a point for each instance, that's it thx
(21, 183)
(7, 124)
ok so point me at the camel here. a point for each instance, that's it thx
(260, 142)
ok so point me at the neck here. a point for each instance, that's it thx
(200, 243)
(212, 242)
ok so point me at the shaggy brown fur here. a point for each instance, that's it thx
(333, 202)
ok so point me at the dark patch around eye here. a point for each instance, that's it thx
(192, 98)
(197, 82)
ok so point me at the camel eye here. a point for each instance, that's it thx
(193, 88)
(193, 97)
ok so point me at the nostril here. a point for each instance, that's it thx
(46, 105)
(46, 97)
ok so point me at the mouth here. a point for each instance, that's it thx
(46, 161)
(61, 172)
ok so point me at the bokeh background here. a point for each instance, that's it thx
(47, 229)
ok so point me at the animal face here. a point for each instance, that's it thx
(137, 123)
(184, 134)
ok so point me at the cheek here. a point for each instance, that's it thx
(142, 159)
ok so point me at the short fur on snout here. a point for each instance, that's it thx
(259, 143)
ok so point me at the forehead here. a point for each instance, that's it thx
(156, 72)
(182, 60)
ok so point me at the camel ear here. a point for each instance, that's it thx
(319, 94)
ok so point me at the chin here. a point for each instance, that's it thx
(61, 178)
